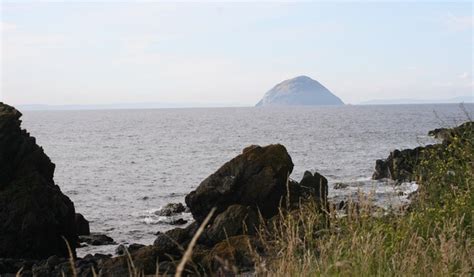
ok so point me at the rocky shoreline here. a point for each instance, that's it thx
(246, 194)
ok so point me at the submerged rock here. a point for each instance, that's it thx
(171, 209)
(256, 178)
(340, 185)
(34, 214)
(178, 221)
(97, 239)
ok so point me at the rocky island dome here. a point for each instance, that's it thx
(301, 90)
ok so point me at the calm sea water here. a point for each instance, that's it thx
(120, 166)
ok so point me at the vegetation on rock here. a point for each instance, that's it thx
(431, 237)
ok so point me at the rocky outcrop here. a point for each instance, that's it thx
(447, 134)
(35, 215)
(235, 220)
(256, 178)
(312, 186)
(401, 165)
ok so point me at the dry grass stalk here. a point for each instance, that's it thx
(189, 251)
(71, 258)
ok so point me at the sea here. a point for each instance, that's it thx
(120, 167)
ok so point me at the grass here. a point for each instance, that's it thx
(432, 238)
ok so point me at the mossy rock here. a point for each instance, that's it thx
(233, 255)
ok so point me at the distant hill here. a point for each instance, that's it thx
(301, 90)
(460, 99)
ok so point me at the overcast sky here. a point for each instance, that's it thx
(98, 53)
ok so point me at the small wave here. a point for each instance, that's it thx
(150, 220)
(409, 187)
(151, 217)
(364, 179)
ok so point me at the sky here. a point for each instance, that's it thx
(88, 52)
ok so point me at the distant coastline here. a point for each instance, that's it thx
(140, 106)
(407, 101)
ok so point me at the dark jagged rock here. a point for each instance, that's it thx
(53, 266)
(122, 249)
(34, 214)
(82, 225)
(314, 186)
(256, 178)
(236, 220)
(12, 266)
(97, 239)
(173, 241)
(440, 133)
(401, 165)
(144, 261)
(232, 256)
(171, 209)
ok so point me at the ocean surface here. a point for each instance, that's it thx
(121, 166)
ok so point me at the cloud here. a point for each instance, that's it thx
(464, 75)
(7, 27)
(459, 22)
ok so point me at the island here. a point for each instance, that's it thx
(299, 91)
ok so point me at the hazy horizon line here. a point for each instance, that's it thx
(145, 106)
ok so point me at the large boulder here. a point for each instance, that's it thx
(255, 178)
(235, 220)
(233, 256)
(35, 215)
